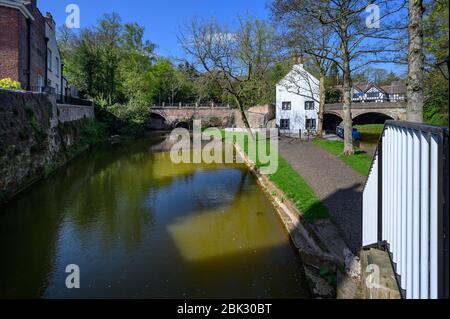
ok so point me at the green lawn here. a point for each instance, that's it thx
(360, 162)
(299, 192)
(296, 189)
(370, 128)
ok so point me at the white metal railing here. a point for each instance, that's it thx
(405, 206)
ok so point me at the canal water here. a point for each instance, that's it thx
(139, 226)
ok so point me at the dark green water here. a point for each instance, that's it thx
(139, 226)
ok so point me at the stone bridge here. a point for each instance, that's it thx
(365, 113)
(167, 117)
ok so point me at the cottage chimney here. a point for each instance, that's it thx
(298, 59)
(50, 20)
(33, 3)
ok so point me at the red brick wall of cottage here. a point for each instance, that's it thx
(14, 45)
(9, 43)
(38, 44)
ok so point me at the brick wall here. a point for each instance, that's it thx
(23, 49)
(14, 45)
(38, 44)
(9, 54)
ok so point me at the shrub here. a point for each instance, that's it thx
(9, 84)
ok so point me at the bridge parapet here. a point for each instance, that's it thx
(191, 106)
(393, 110)
(375, 106)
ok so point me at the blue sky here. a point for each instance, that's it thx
(161, 18)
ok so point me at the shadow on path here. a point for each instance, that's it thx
(337, 185)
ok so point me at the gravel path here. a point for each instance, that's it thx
(336, 184)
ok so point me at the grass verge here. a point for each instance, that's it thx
(299, 192)
(370, 128)
(360, 161)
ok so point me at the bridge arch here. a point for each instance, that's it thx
(371, 118)
(183, 124)
(330, 121)
(158, 121)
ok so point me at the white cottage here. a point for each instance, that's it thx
(55, 78)
(297, 104)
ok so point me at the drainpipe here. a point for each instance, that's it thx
(46, 63)
(28, 54)
(62, 81)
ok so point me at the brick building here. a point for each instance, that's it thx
(23, 46)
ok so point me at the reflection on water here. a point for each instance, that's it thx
(369, 142)
(141, 227)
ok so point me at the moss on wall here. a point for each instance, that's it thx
(33, 142)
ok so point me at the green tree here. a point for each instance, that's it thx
(236, 60)
(436, 32)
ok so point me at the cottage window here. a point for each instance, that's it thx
(40, 83)
(286, 106)
(285, 124)
(311, 124)
(49, 59)
(57, 67)
(309, 105)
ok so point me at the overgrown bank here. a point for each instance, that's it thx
(36, 137)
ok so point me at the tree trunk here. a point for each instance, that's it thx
(244, 118)
(347, 105)
(321, 106)
(416, 61)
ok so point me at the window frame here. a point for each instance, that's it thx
(285, 121)
(373, 95)
(311, 121)
(57, 67)
(40, 82)
(49, 59)
(308, 108)
(286, 106)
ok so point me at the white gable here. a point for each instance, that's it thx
(297, 102)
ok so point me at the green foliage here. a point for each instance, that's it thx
(133, 117)
(329, 276)
(370, 128)
(360, 161)
(436, 31)
(95, 132)
(436, 99)
(109, 62)
(88, 132)
(9, 84)
(38, 134)
(333, 95)
(376, 75)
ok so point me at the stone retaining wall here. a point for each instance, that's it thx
(70, 113)
(36, 136)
